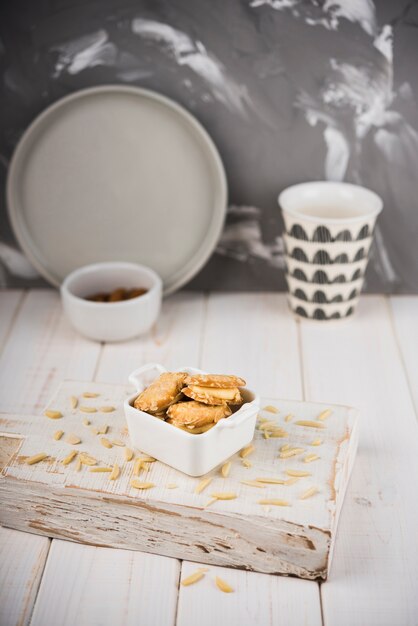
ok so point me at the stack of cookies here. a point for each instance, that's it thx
(193, 402)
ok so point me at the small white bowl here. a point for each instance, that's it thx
(111, 321)
(194, 455)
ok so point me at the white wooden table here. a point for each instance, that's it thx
(370, 362)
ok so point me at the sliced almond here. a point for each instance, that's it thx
(223, 586)
(100, 469)
(117, 442)
(36, 458)
(74, 440)
(94, 430)
(88, 409)
(115, 472)
(269, 425)
(271, 480)
(129, 454)
(171, 486)
(292, 480)
(90, 394)
(286, 454)
(316, 442)
(226, 468)
(193, 578)
(288, 418)
(299, 473)
(253, 483)
(309, 493)
(274, 502)
(271, 409)
(58, 434)
(138, 466)
(286, 446)
(246, 451)
(136, 484)
(69, 457)
(147, 459)
(310, 457)
(224, 495)
(107, 409)
(105, 442)
(324, 414)
(86, 422)
(310, 424)
(73, 402)
(53, 415)
(266, 434)
(78, 465)
(279, 432)
(246, 463)
(86, 459)
(202, 485)
(103, 429)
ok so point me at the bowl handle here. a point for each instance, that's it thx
(133, 376)
(235, 421)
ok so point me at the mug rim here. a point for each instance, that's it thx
(292, 190)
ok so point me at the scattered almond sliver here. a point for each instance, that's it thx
(129, 454)
(309, 493)
(224, 495)
(103, 429)
(90, 394)
(171, 486)
(292, 480)
(58, 434)
(246, 463)
(286, 454)
(271, 481)
(253, 483)
(268, 425)
(193, 578)
(202, 485)
(223, 586)
(246, 451)
(88, 409)
(136, 484)
(69, 457)
(36, 458)
(105, 442)
(100, 469)
(74, 440)
(138, 467)
(94, 430)
(275, 502)
(310, 457)
(53, 415)
(73, 402)
(115, 472)
(86, 422)
(117, 442)
(298, 473)
(107, 409)
(288, 417)
(316, 442)
(86, 459)
(324, 414)
(147, 459)
(279, 432)
(271, 409)
(226, 468)
(285, 447)
(310, 424)
(78, 465)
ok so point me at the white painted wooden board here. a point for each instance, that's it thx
(373, 581)
(293, 539)
(405, 317)
(91, 586)
(40, 352)
(22, 561)
(9, 303)
(256, 599)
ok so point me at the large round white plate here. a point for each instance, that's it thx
(117, 173)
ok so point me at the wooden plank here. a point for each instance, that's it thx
(405, 316)
(85, 585)
(40, 352)
(256, 599)
(9, 303)
(373, 579)
(174, 341)
(254, 336)
(296, 539)
(23, 557)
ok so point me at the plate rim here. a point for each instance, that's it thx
(14, 207)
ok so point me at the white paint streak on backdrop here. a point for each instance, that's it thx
(86, 51)
(187, 52)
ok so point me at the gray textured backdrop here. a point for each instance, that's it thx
(290, 90)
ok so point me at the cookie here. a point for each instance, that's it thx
(213, 395)
(215, 380)
(163, 392)
(197, 414)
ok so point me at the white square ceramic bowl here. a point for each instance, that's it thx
(194, 455)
